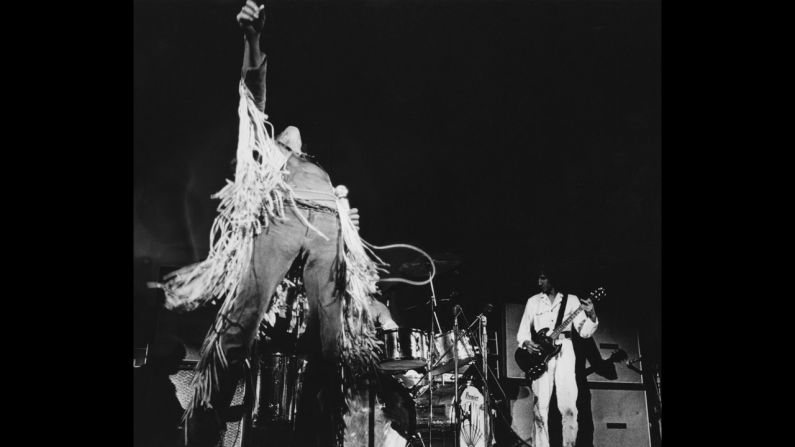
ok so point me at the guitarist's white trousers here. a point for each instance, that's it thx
(560, 375)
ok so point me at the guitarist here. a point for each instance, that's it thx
(545, 310)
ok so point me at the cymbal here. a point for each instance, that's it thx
(440, 303)
(422, 267)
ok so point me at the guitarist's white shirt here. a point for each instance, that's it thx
(540, 314)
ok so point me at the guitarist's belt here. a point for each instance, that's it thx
(566, 334)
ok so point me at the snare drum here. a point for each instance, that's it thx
(278, 389)
(443, 347)
(404, 349)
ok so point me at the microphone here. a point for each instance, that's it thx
(457, 310)
(486, 310)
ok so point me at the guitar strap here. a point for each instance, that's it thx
(561, 311)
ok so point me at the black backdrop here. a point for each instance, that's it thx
(507, 133)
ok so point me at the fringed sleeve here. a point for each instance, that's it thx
(248, 203)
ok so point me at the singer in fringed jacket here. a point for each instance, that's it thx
(280, 204)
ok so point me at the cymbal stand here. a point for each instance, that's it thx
(432, 337)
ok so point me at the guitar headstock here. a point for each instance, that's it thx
(597, 294)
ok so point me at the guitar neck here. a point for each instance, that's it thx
(565, 323)
(595, 296)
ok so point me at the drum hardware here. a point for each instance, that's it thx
(431, 339)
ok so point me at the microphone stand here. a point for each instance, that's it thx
(482, 323)
(484, 349)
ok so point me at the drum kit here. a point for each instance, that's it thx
(452, 360)
(447, 402)
(436, 369)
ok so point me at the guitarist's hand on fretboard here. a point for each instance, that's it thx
(587, 307)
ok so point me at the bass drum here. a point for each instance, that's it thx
(473, 419)
(442, 416)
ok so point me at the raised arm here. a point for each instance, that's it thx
(255, 63)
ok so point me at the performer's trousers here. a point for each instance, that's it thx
(560, 377)
(275, 249)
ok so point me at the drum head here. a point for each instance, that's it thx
(443, 348)
(473, 418)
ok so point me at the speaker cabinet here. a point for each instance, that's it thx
(620, 418)
(615, 332)
(511, 317)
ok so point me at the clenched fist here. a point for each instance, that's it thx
(251, 18)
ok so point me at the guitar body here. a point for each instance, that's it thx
(534, 364)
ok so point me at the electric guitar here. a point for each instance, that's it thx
(534, 364)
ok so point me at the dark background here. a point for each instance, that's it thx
(504, 133)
